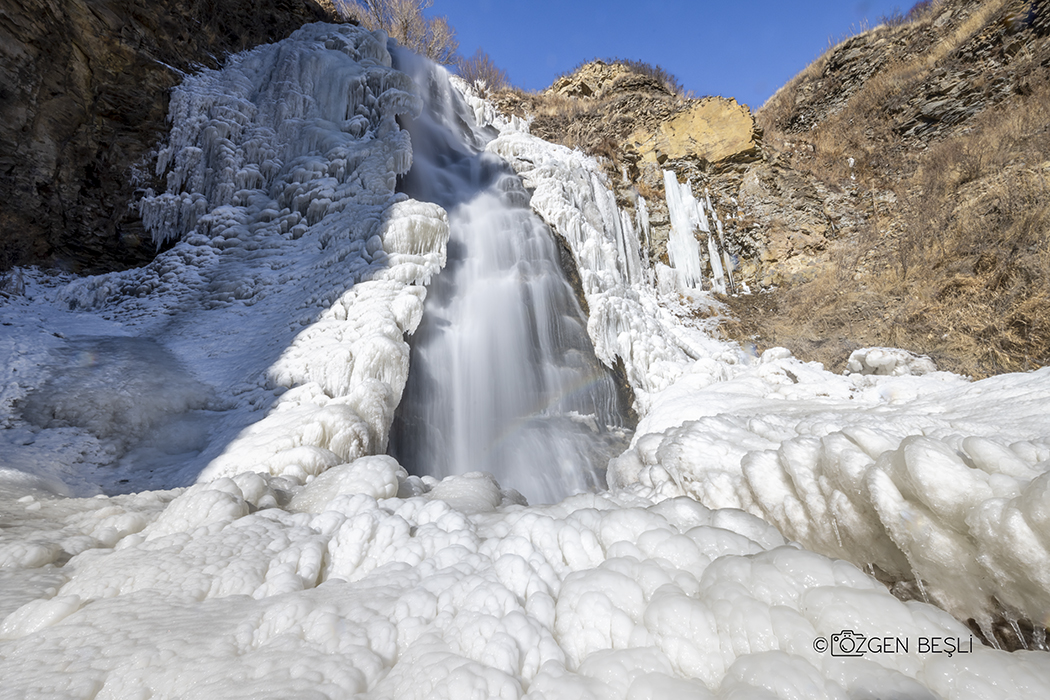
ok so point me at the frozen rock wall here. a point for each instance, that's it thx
(86, 85)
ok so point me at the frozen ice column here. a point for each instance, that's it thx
(687, 214)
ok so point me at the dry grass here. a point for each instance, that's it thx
(861, 129)
(959, 266)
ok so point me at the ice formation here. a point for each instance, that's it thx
(280, 316)
(686, 217)
(689, 216)
(264, 354)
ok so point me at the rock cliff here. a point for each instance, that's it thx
(639, 125)
(83, 98)
(913, 203)
(893, 193)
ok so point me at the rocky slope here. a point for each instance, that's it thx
(934, 132)
(83, 99)
(639, 126)
(893, 193)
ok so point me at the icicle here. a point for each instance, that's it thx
(629, 246)
(641, 213)
(682, 247)
(1017, 631)
(835, 528)
(726, 258)
(988, 631)
(922, 590)
(718, 278)
(701, 216)
(718, 282)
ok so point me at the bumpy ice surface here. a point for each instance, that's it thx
(260, 360)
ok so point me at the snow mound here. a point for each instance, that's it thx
(367, 580)
(913, 477)
(888, 361)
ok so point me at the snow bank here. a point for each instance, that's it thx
(915, 477)
(892, 361)
(366, 580)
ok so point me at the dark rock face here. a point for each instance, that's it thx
(84, 87)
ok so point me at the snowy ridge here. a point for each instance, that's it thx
(299, 565)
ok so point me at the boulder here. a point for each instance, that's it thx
(713, 129)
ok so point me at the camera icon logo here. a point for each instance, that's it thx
(847, 643)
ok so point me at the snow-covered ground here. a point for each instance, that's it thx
(234, 397)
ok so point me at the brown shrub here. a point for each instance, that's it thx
(404, 21)
(482, 72)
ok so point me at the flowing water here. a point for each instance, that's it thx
(503, 375)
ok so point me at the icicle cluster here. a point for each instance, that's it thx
(689, 215)
(285, 123)
(282, 170)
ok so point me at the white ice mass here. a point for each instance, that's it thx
(195, 500)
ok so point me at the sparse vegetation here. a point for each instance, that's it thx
(658, 73)
(404, 21)
(597, 105)
(951, 169)
(482, 72)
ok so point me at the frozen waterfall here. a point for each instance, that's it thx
(194, 499)
(503, 375)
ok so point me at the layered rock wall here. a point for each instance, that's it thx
(83, 96)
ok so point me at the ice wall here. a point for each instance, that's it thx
(297, 274)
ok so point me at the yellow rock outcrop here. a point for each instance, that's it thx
(713, 129)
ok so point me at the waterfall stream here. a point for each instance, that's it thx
(503, 375)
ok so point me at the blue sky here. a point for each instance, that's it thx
(744, 49)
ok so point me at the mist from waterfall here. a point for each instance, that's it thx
(503, 375)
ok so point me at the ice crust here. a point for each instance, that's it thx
(367, 581)
(304, 563)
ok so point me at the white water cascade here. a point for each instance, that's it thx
(194, 500)
(504, 378)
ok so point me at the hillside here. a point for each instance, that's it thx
(946, 120)
(937, 125)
